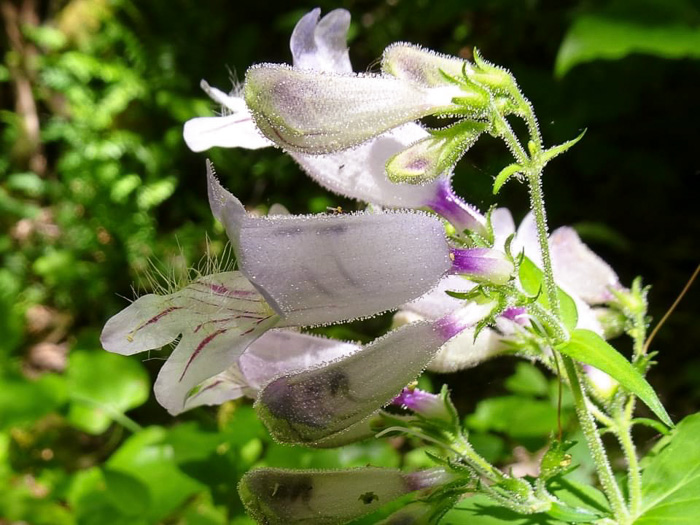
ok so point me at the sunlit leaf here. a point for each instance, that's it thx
(589, 348)
(671, 480)
(102, 387)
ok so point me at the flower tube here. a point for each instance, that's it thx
(317, 112)
(322, 269)
(313, 405)
(295, 271)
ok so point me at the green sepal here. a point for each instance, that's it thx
(569, 515)
(589, 348)
(504, 175)
(555, 151)
(495, 78)
(556, 460)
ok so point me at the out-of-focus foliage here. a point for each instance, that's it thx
(97, 190)
(666, 29)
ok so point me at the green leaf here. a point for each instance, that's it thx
(23, 401)
(555, 151)
(505, 174)
(608, 36)
(519, 417)
(149, 458)
(527, 380)
(671, 481)
(102, 387)
(126, 493)
(579, 495)
(589, 348)
(532, 281)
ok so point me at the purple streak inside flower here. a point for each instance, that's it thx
(517, 314)
(461, 215)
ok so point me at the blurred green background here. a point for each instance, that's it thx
(97, 188)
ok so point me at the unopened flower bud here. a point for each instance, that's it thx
(314, 497)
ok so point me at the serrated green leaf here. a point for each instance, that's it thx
(589, 348)
(579, 495)
(532, 281)
(569, 515)
(671, 480)
(505, 174)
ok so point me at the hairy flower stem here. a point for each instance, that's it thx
(623, 418)
(595, 444)
(464, 449)
(533, 171)
(634, 476)
(588, 426)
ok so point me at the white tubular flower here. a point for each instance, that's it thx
(295, 271)
(317, 112)
(322, 269)
(323, 497)
(314, 405)
(358, 173)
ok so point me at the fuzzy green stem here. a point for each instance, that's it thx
(528, 114)
(537, 206)
(505, 131)
(588, 426)
(464, 449)
(595, 444)
(624, 435)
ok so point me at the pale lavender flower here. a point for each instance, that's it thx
(294, 271)
(359, 173)
(314, 405)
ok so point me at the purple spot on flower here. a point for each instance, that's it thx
(414, 399)
(418, 164)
